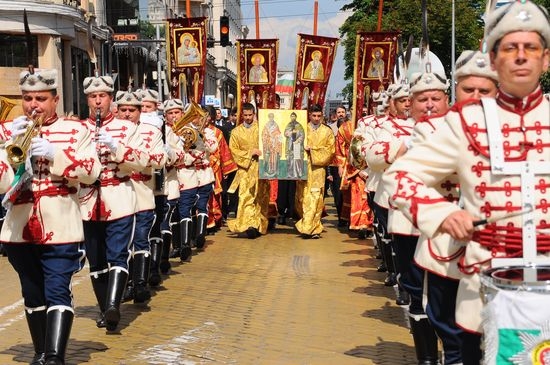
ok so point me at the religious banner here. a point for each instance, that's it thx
(282, 137)
(256, 73)
(375, 55)
(314, 60)
(186, 50)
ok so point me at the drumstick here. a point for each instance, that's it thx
(505, 216)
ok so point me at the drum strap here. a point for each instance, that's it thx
(526, 169)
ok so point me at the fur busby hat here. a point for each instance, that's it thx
(95, 84)
(38, 80)
(424, 81)
(127, 98)
(173, 104)
(474, 63)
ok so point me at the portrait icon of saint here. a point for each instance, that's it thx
(314, 70)
(376, 66)
(188, 52)
(257, 73)
(272, 145)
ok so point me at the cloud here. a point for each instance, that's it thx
(287, 29)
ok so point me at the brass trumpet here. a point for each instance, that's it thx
(189, 134)
(18, 149)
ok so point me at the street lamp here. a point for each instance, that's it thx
(231, 97)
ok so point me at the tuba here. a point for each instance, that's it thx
(182, 128)
(17, 151)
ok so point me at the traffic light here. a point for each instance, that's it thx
(224, 31)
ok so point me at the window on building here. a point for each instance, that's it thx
(13, 51)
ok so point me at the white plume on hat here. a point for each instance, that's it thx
(173, 104)
(474, 63)
(518, 16)
(127, 98)
(424, 81)
(97, 84)
(148, 95)
(40, 80)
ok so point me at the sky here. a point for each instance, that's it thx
(284, 19)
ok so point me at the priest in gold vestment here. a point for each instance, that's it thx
(319, 147)
(253, 193)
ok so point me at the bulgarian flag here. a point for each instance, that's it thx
(516, 327)
(285, 83)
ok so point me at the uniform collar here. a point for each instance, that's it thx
(519, 105)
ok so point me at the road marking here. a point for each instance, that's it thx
(179, 351)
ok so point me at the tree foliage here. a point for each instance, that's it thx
(405, 16)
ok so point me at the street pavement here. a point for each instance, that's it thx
(277, 300)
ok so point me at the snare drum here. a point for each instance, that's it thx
(516, 316)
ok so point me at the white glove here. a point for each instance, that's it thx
(107, 140)
(151, 118)
(19, 126)
(408, 142)
(169, 152)
(41, 147)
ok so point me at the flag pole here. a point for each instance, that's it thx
(257, 13)
(188, 8)
(315, 14)
(380, 8)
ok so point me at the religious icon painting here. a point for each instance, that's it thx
(314, 63)
(376, 61)
(188, 46)
(282, 139)
(258, 65)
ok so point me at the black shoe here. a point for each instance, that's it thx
(281, 221)
(342, 223)
(271, 224)
(390, 280)
(403, 297)
(382, 268)
(100, 321)
(252, 233)
(370, 234)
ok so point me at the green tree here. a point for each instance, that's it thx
(405, 16)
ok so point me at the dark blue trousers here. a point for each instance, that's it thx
(45, 272)
(441, 313)
(108, 243)
(144, 224)
(194, 198)
(411, 276)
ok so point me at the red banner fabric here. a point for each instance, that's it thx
(257, 72)
(186, 50)
(314, 60)
(373, 69)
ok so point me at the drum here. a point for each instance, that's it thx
(516, 315)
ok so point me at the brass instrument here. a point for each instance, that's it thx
(356, 157)
(189, 134)
(6, 105)
(18, 149)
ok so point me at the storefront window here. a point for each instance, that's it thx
(13, 51)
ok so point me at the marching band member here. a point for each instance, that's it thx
(109, 205)
(149, 129)
(253, 193)
(428, 98)
(517, 40)
(195, 178)
(310, 193)
(173, 109)
(44, 250)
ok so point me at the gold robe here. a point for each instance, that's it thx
(310, 193)
(253, 193)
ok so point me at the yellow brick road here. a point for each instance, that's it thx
(274, 300)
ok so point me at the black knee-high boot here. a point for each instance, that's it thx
(425, 341)
(58, 329)
(117, 282)
(185, 238)
(200, 236)
(141, 277)
(99, 284)
(156, 252)
(36, 320)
